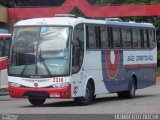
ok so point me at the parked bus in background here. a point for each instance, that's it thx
(74, 57)
(4, 52)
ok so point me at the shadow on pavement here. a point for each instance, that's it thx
(98, 100)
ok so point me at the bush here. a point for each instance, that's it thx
(158, 71)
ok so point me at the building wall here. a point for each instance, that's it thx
(3, 14)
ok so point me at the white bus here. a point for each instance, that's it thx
(69, 57)
(4, 52)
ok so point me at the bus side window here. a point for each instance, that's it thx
(7, 46)
(91, 44)
(126, 38)
(116, 37)
(136, 37)
(1, 47)
(151, 38)
(97, 37)
(145, 38)
(77, 48)
(104, 37)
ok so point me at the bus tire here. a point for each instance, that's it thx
(94, 97)
(130, 93)
(88, 96)
(132, 90)
(37, 101)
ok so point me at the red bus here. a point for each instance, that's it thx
(4, 52)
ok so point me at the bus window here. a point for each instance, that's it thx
(4, 47)
(78, 48)
(7, 47)
(136, 38)
(97, 37)
(126, 38)
(145, 38)
(4, 44)
(151, 38)
(104, 37)
(1, 48)
(116, 37)
(91, 37)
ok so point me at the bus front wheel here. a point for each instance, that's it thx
(87, 98)
(37, 101)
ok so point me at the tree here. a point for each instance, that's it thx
(7, 3)
(114, 2)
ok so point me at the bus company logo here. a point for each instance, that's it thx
(112, 63)
(75, 90)
(36, 85)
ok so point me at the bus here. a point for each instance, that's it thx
(4, 52)
(76, 58)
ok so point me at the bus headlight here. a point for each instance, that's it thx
(14, 84)
(60, 85)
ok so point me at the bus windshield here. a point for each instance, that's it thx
(40, 51)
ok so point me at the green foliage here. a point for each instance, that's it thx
(158, 55)
(77, 12)
(108, 2)
(158, 71)
(92, 2)
(7, 3)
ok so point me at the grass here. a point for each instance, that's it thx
(158, 71)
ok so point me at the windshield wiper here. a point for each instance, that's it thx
(44, 64)
(26, 65)
(23, 70)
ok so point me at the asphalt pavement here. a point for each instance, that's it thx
(146, 101)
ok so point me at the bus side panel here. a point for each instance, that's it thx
(148, 77)
(145, 76)
(113, 71)
(93, 69)
(119, 66)
(142, 64)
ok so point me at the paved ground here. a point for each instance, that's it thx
(158, 80)
(147, 101)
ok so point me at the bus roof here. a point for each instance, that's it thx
(5, 35)
(71, 21)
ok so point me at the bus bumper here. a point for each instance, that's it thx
(22, 92)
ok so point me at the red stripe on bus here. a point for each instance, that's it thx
(3, 63)
(140, 65)
(5, 35)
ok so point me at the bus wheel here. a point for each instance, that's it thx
(88, 96)
(130, 93)
(94, 97)
(132, 89)
(37, 101)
